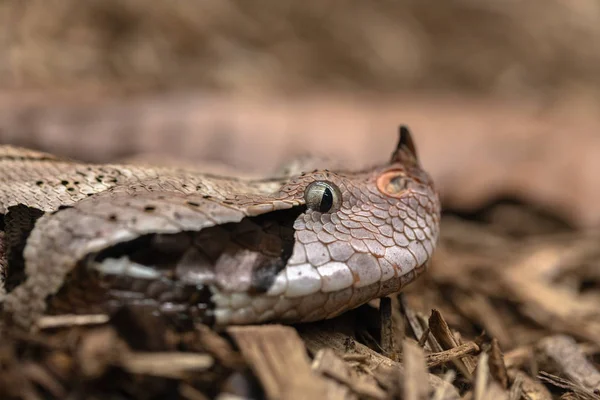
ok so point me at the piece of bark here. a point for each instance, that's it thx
(174, 365)
(101, 348)
(415, 383)
(557, 308)
(387, 331)
(273, 352)
(582, 392)
(327, 363)
(440, 392)
(382, 367)
(570, 396)
(420, 328)
(435, 359)
(562, 354)
(485, 388)
(481, 377)
(217, 346)
(188, 392)
(424, 337)
(98, 350)
(494, 392)
(531, 389)
(399, 326)
(516, 389)
(66, 320)
(440, 330)
(496, 364)
(518, 357)
(43, 378)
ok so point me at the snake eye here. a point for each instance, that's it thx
(322, 197)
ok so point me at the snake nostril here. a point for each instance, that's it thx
(393, 183)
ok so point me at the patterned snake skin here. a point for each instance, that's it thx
(80, 238)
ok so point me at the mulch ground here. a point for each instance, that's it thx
(508, 310)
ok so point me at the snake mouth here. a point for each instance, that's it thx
(176, 273)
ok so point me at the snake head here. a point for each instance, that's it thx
(359, 236)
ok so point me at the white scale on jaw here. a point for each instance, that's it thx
(123, 266)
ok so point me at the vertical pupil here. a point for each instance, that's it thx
(326, 200)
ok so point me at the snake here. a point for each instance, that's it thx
(80, 238)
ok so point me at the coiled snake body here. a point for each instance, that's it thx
(81, 238)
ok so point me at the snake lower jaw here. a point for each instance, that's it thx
(244, 308)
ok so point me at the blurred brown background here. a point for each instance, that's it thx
(502, 96)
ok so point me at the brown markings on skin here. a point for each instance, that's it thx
(18, 223)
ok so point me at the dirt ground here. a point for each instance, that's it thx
(502, 98)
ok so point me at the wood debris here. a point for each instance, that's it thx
(562, 354)
(435, 359)
(329, 364)
(503, 314)
(416, 385)
(278, 357)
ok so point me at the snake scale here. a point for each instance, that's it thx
(92, 238)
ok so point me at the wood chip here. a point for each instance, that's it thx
(166, 365)
(481, 378)
(382, 367)
(435, 359)
(416, 385)
(420, 328)
(327, 363)
(100, 349)
(496, 364)
(190, 393)
(579, 391)
(424, 337)
(558, 308)
(218, 347)
(531, 389)
(516, 390)
(564, 355)
(44, 379)
(440, 330)
(59, 321)
(441, 392)
(518, 357)
(483, 387)
(272, 352)
(387, 332)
